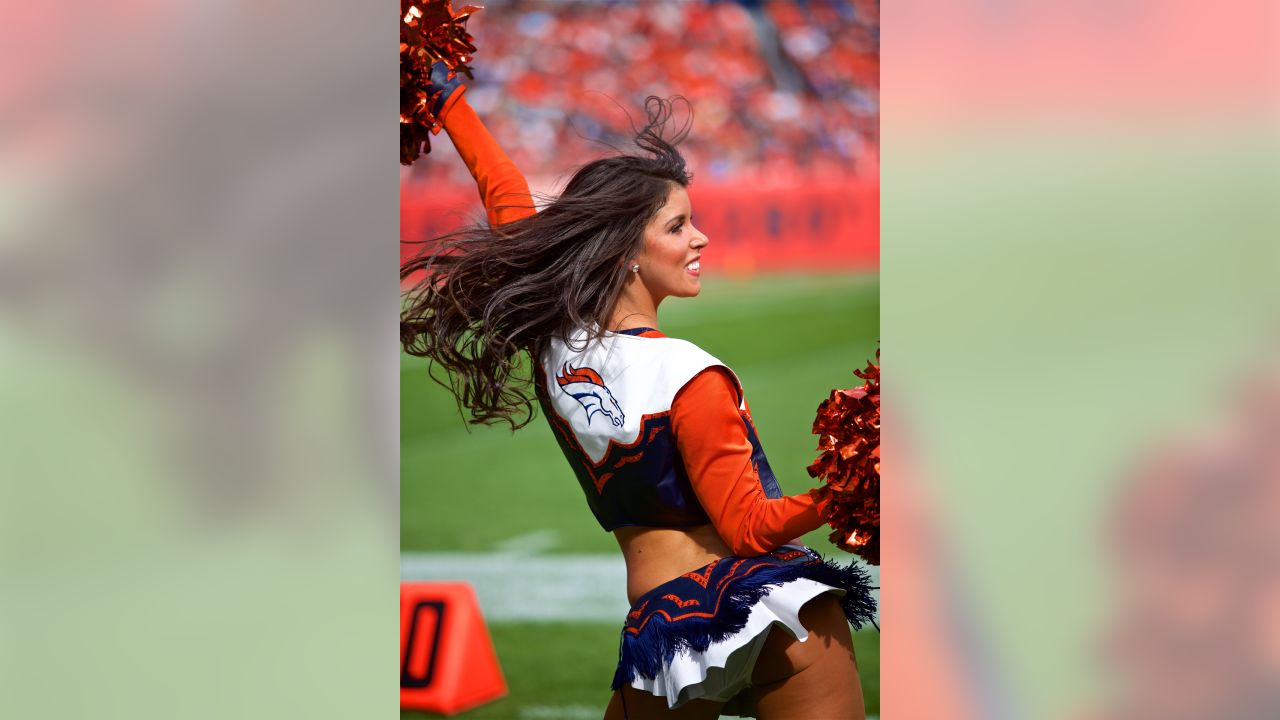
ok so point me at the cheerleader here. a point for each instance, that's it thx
(730, 613)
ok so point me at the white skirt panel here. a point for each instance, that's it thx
(724, 669)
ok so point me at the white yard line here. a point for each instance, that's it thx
(561, 712)
(515, 587)
(534, 543)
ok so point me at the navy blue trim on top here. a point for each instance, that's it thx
(635, 331)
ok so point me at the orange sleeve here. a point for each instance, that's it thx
(712, 439)
(502, 188)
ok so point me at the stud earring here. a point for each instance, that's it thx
(635, 268)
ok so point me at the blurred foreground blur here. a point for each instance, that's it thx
(1078, 280)
(197, 298)
(1196, 539)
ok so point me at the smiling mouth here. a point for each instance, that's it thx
(694, 267)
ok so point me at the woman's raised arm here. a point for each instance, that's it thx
(502, 188)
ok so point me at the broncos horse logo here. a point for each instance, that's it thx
(586, 386)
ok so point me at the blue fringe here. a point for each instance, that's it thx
(659, 641)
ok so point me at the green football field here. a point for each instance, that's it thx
(465, 489)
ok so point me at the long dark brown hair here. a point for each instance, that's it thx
(490, 295)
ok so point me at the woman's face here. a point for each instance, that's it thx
(669, 264)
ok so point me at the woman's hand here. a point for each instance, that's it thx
(449, 89)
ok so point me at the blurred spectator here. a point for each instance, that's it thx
(779, 90)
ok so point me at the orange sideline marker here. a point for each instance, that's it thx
(447, 661)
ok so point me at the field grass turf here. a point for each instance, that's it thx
(791, 339)
(562, 671)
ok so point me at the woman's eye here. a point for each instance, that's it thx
(677, 228)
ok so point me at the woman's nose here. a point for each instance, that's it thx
(699, 240)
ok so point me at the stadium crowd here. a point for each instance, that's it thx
(780, 89)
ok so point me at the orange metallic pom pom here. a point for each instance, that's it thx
(430, 31)
(848, 430)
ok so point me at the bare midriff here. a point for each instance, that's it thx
(656, 555)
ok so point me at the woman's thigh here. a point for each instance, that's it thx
(817, 678)
(640, 705)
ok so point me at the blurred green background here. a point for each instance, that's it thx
(791, 339)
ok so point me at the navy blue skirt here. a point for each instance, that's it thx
(698, 635)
